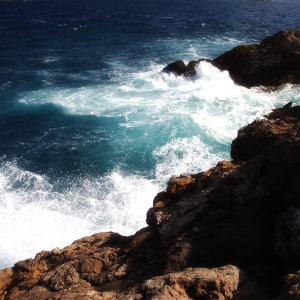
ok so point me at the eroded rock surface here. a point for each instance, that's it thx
(231, 232)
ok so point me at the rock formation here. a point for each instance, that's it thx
(232, 232)
(273, 62)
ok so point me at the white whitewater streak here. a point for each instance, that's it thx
(33, 217)
(196, 118)
(210, 103)
(27, 227)
(187, 155)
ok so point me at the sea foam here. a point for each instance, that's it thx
(179, 125)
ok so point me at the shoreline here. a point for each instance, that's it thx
(230, 232)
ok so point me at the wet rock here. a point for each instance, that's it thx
(178, 68)
(231, 232)
(273, 62)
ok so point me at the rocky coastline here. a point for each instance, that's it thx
(273, 62)
(231, 232)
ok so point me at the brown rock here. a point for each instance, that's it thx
(254, 138)
(90, 265)
(193, 283)
(243, 213)
(63, 277)
(178, 186)
(6, 277)
(273, 62)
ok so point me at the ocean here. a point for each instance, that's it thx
(92, 130)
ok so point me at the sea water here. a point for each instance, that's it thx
(92, 130)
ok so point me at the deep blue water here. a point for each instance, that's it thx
(91, 129)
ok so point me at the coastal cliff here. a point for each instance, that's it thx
(231, 232)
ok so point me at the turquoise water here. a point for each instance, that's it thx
(91, 129)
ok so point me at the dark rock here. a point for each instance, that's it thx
(287, 236)
(273, 62)
(178, 68)
(254, 138)
(231, 232)
(291, 290)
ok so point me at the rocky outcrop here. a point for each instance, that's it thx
(232, 232)
(273, 62)
(179, 68)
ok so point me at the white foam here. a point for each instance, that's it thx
(191, 121)
(50, 59)
(27, 229)
(34, 217)
(211, 99)
(185, 155)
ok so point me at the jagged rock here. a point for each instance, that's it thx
(193, 283)
(273, 62)
(6, 277)
(178, 186)
(287, 113)
(291, 289)
(208, 227)
(108, 260)
(63, 277)
(243, 213)
(255, 137)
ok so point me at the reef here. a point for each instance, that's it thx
(231, 232)
(273, 62)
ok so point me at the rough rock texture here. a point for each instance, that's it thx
(291, 289)
(232, 232)
(192, 283)
(273, 62)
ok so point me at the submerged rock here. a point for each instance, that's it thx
(273, 62)
(231, 232)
